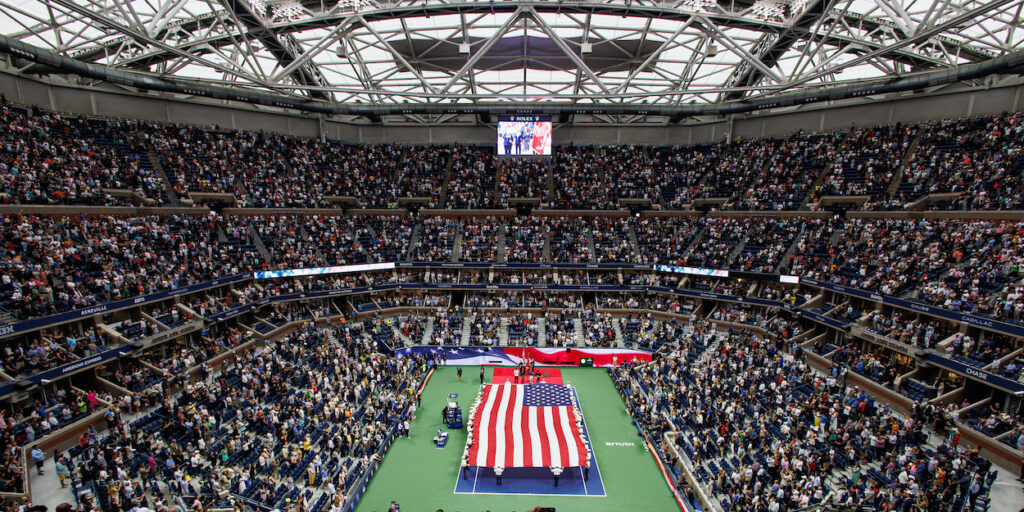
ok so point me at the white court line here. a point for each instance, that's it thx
(534, 494)
(590, 443)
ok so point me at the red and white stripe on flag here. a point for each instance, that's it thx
(509, 434)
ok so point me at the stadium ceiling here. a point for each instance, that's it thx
(615, 54)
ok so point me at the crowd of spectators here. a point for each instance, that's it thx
(734, 288)
(980, 157)
(363, 172)
(522, 330)
(288, 242)
(435, 239)
(768, 433)
(560, 329)
(581, 177)
(60, 409)
(718, 242)
(483, 329)
(907, 328)
(738, 315)
(979, 351)
(471, 185)
(866, 161)
(204, 160)
(664, 240)
(385, 239)
(410, 326)
(985, 261)
(293, 423)
(598, 330)
(885, 255)
(448, 327)
(12, 473)
(612, 240)
(480, 240)
(48, 158)
(176, 362)
(814, 246)
(421, 169)
(767, 243)
(683, 170)
(48, 349)
(523, 177)
(757, 423)
(333, 236)
(53, 264)
(632, 174)
(878, 365)
(569, 240)
(136, 377)
(610, 301)
(789, 168)
(525, 238)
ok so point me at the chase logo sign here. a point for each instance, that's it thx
(978, 374)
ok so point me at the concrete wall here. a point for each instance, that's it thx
(951, 101)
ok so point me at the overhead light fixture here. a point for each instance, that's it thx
(464, 48)
(586, 48)
(695, 5)
(768, 10)
(712, 50)
(341, 51)
(286, 10)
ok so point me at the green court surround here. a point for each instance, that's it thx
(421, 478)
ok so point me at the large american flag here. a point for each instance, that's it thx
(519, 425)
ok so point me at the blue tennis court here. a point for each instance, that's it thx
(535, 481)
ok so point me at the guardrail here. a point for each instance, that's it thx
(6, 331)
(968, 319)
(687, 471)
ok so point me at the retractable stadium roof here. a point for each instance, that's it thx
(446, 56)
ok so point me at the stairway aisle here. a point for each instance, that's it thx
(542, 337)
(581, 338)
(503, 332)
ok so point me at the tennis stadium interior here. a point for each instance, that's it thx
(511, 255)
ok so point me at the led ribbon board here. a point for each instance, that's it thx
(692, 270)
(319, 271)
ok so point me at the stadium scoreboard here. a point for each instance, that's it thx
(524, 135)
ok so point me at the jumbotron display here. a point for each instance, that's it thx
(524, 135)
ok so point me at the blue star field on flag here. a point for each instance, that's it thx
(547, 395)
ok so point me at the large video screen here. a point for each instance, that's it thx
(524, 135)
